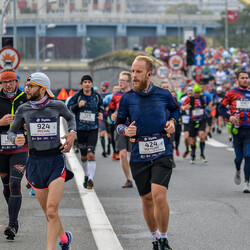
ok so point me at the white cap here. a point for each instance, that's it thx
(42, 80)
(219, 88)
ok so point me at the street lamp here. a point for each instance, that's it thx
(37, 38)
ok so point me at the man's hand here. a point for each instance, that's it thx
(70, 138)
(183, 108)
(114, 116)
(100, 116)
(81, 103)
(6, 120)
(235, 119)
(131, 130)
(170, 127)
(19, 140)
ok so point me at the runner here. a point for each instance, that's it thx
(103, 125)
(111, 124)
(185, 120)
(86, 104)
(13, 158)
(238, 101)
(46, 167)
(148, 108)
(197, 124)
(123, 144)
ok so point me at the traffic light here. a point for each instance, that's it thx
(190, 52)
(7, 41)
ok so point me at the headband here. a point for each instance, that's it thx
(8, 75)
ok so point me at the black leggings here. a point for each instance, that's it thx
(12, 169)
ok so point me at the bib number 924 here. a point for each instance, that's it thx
(43, 126)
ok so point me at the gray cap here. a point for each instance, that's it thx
(42, 80)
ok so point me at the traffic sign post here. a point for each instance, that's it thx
(199, 59)
(162, 71)
(9, 58)
(199, 44)
(175, 62)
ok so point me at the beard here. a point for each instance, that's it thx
(35, 96)
(139, 86)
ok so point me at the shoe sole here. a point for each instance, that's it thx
(246, 191)
(9, 233)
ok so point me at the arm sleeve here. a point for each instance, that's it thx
(100, 105)
(72, 104)
(223, 106)
(174, 109)
(16, 125)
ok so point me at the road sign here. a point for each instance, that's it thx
(199, 44)
(9, 58)
(162, 71)
(176, 79)
(199, 59)
(63, 95)
(175, 62)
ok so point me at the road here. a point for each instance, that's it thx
(208, 211)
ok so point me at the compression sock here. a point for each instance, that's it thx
(91, 169)
(64, 239)
(202, 147)
(103, 143)
(193, 147)
(85, 168)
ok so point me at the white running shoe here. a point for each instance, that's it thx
(237, 178)
(246, 188)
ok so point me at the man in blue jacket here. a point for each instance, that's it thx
(152, 113)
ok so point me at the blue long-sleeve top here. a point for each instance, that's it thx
(150, 111)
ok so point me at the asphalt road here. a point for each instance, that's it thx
(208, 211)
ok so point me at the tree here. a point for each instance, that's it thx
(238, 31)
(97, 46)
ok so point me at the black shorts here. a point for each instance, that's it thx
(87, 141)
(185, 127)
(157, 171)
(209, 121)
(196, 126)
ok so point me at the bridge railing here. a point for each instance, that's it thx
(118, 18)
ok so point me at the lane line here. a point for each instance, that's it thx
(102, 229)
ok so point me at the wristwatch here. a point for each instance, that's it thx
(72, 131)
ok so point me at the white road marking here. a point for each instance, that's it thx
(230, 149)
(212, 142)
(102, 230)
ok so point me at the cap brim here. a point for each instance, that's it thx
(50, 93)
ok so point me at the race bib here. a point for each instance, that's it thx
(87, 116)
(198, 112)
(185, 119)
(43, 129)
(7, 144)
(243, 104)
(151, 146)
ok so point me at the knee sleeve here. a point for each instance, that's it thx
(91, 149)
(15, 186)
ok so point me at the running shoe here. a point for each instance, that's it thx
(164, 244)
(155, 245)
(192, 160)
(185, 154)
(28, 186)
(10, 232)
(90, 184)
(246, 188)
(177, 152)
(66, 246)
(128, 184)
(85, 181)
(104, 154)
(237, 179)
(209, 135)
(203, 159)
(115, 157)
(32, 192)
